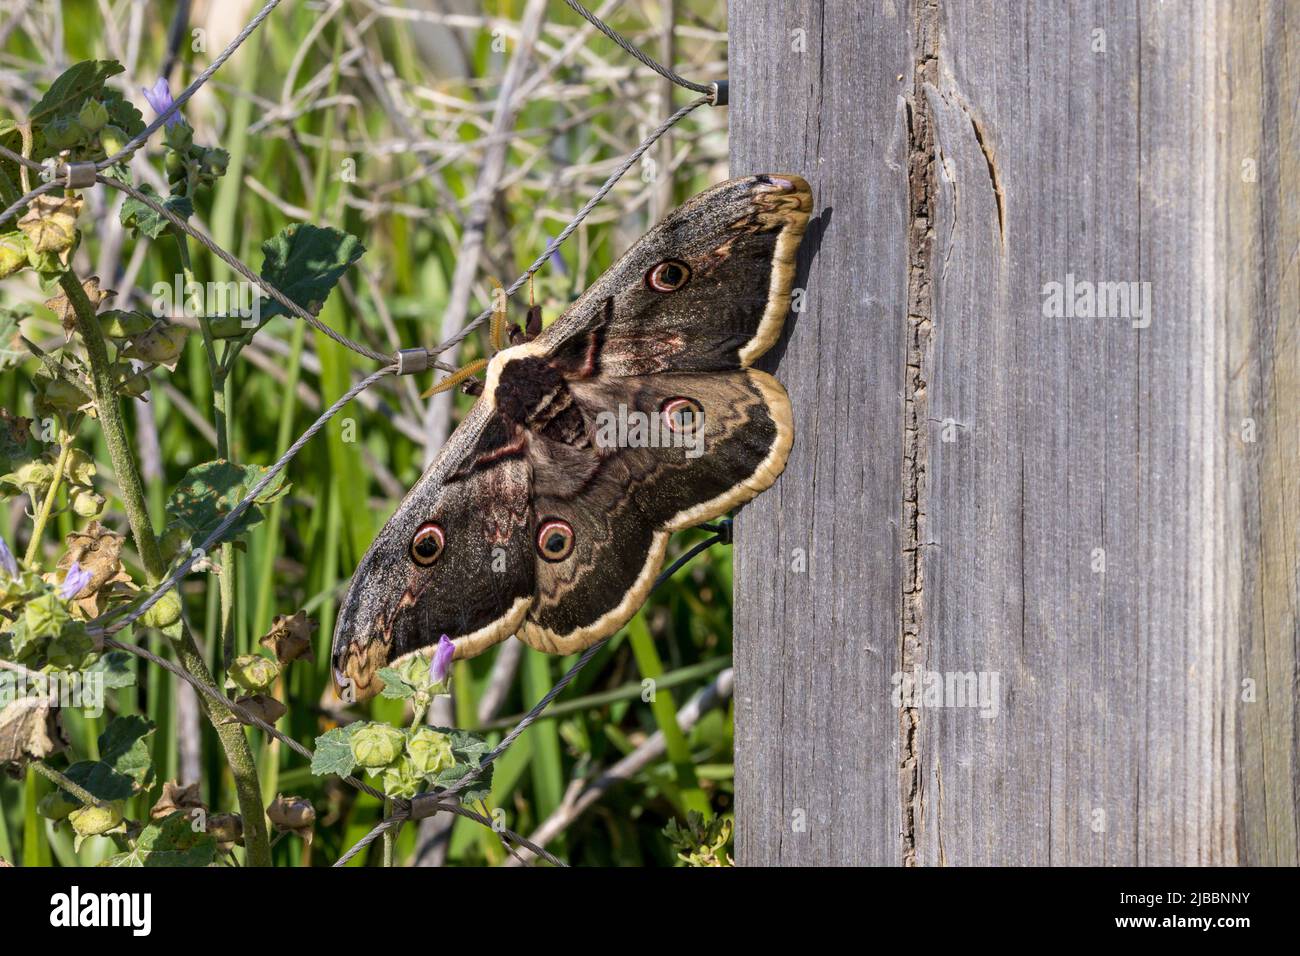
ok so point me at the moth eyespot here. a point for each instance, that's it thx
(668, 276)
(555, 539)
(427, 545)
(682, 414)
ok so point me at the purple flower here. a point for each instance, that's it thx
(557, 260)
(160, 98)
(440, 665)
(74, 581)
(8, 564)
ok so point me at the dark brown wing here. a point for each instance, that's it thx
(641, 481)
(737, 242)
(477, 589)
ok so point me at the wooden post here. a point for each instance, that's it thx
(1046, 384)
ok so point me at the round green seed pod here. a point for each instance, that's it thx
(163, 614)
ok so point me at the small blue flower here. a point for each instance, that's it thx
(74, 581)
(440, 665)
(8, 564)
(160, 98)
(557, 260)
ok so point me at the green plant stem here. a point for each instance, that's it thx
(81, 793)
(114, 428)
(36, 845)
(664, 709)
(229, 732)
(390, 835)
(220, 375)
(43, 515)
(420, 708)
(238, 754)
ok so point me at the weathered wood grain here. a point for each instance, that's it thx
(1257, 84)
(816, 760)
(1102, 512)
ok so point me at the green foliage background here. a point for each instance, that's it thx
(301, 555)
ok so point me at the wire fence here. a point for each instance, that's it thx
(404, 361)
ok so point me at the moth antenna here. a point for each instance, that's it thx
(500, 338)
(498, 327)
(456, 377)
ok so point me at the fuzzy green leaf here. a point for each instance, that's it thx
(144, 220)
(169, 842)
(44, 616)
(334, 751)
(210, 491)
(116, 668)
(73, 87)
(394, 687)
(122, 747)
(305, 262)
(101, 780)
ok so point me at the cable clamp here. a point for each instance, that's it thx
(720, 95)
(78, 175)
(723, 530)
(411, 361)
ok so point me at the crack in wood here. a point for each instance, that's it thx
(987, 150)
(920, 238)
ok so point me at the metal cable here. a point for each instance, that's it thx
(207, 242)
(591, 204)
(220, 530)
(20, 159)
(40, 190)
(622, 41)
(190, 90)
